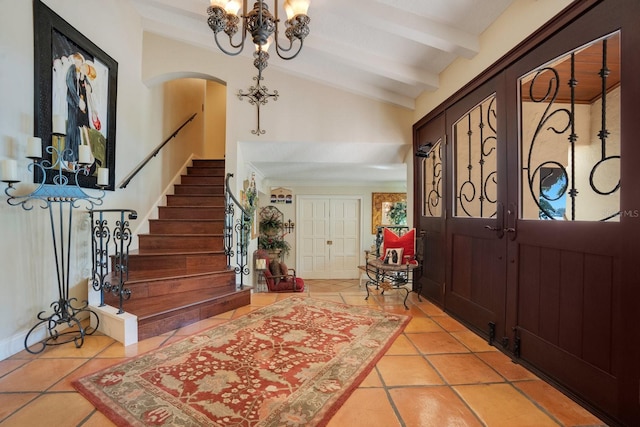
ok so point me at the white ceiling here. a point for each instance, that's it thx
(388, 50)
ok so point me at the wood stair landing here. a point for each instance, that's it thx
(179, 274)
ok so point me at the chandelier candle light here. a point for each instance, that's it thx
(262, 25)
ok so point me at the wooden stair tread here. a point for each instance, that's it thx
(149, 307)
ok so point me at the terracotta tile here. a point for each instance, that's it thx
(407, 370)
(92, 345)
(372, 380)
(366, 407)
(506, 367)
(98, 419)
(92, 366)
(119, 350)
(448, 323)
(334, 298)
(463, 369)
(432, 407)
(501, 405)
(9, 365)
(437, 343)
(474, 342)
(358, 300)
(422, 324)
(401, 345)
(13, 401)
(557, 404)
(52, 409)
(429, 308)
(39, 374)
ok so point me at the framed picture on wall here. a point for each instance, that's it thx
(381, 206)
(75, 100)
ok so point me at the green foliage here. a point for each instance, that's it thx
(273, 243)
(398, 213)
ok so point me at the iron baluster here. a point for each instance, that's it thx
(242, 227)
(102, 237)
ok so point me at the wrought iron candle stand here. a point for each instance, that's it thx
(63, 193)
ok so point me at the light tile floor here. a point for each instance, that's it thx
(437, 373)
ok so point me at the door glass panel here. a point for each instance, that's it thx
(432, 179)
(474, 143)
(570, 135)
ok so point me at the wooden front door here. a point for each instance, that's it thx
(564, 257)
(476, 273)
(541, 208)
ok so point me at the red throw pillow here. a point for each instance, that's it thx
(407, 242)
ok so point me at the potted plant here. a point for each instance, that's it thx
(270, 222)
(276, 246)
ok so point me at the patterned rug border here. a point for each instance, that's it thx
(322, 417)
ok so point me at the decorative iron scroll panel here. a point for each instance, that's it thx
(570, 135)
(432, 182)
(474, 142)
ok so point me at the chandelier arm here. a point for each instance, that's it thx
(281, 51)
(240, 46)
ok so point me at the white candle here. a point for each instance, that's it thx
(59, 125)
(9, 170)
(34, 147)
(103, 176)
(84, 155)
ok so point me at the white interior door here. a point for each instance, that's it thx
(329, 237)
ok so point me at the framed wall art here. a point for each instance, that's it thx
(74, 98)
(381, 206)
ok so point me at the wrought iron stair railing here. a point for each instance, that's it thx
(241, 226)
(118, 237)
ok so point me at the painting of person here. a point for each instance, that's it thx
(79, 94)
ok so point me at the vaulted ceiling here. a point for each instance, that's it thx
(388, 50)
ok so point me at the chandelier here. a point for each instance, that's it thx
(262, 25)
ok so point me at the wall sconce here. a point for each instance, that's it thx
(425, 149)
(289, 226)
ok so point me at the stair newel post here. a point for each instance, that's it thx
(100, 253)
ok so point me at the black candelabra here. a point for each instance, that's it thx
(59, 193)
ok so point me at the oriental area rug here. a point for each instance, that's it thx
(292, 363)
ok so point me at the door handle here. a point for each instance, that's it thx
(329, 242)
(513, 219)
(499, 228)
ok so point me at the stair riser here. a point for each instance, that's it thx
(201, 180)
(190, 264)
(185, 227)
(169, 212)
(214, 190)
(166, 322)
(205, 171)
(189, 200)
(208, 163)
(180, 242)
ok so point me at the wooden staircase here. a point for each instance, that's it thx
(179, 274)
